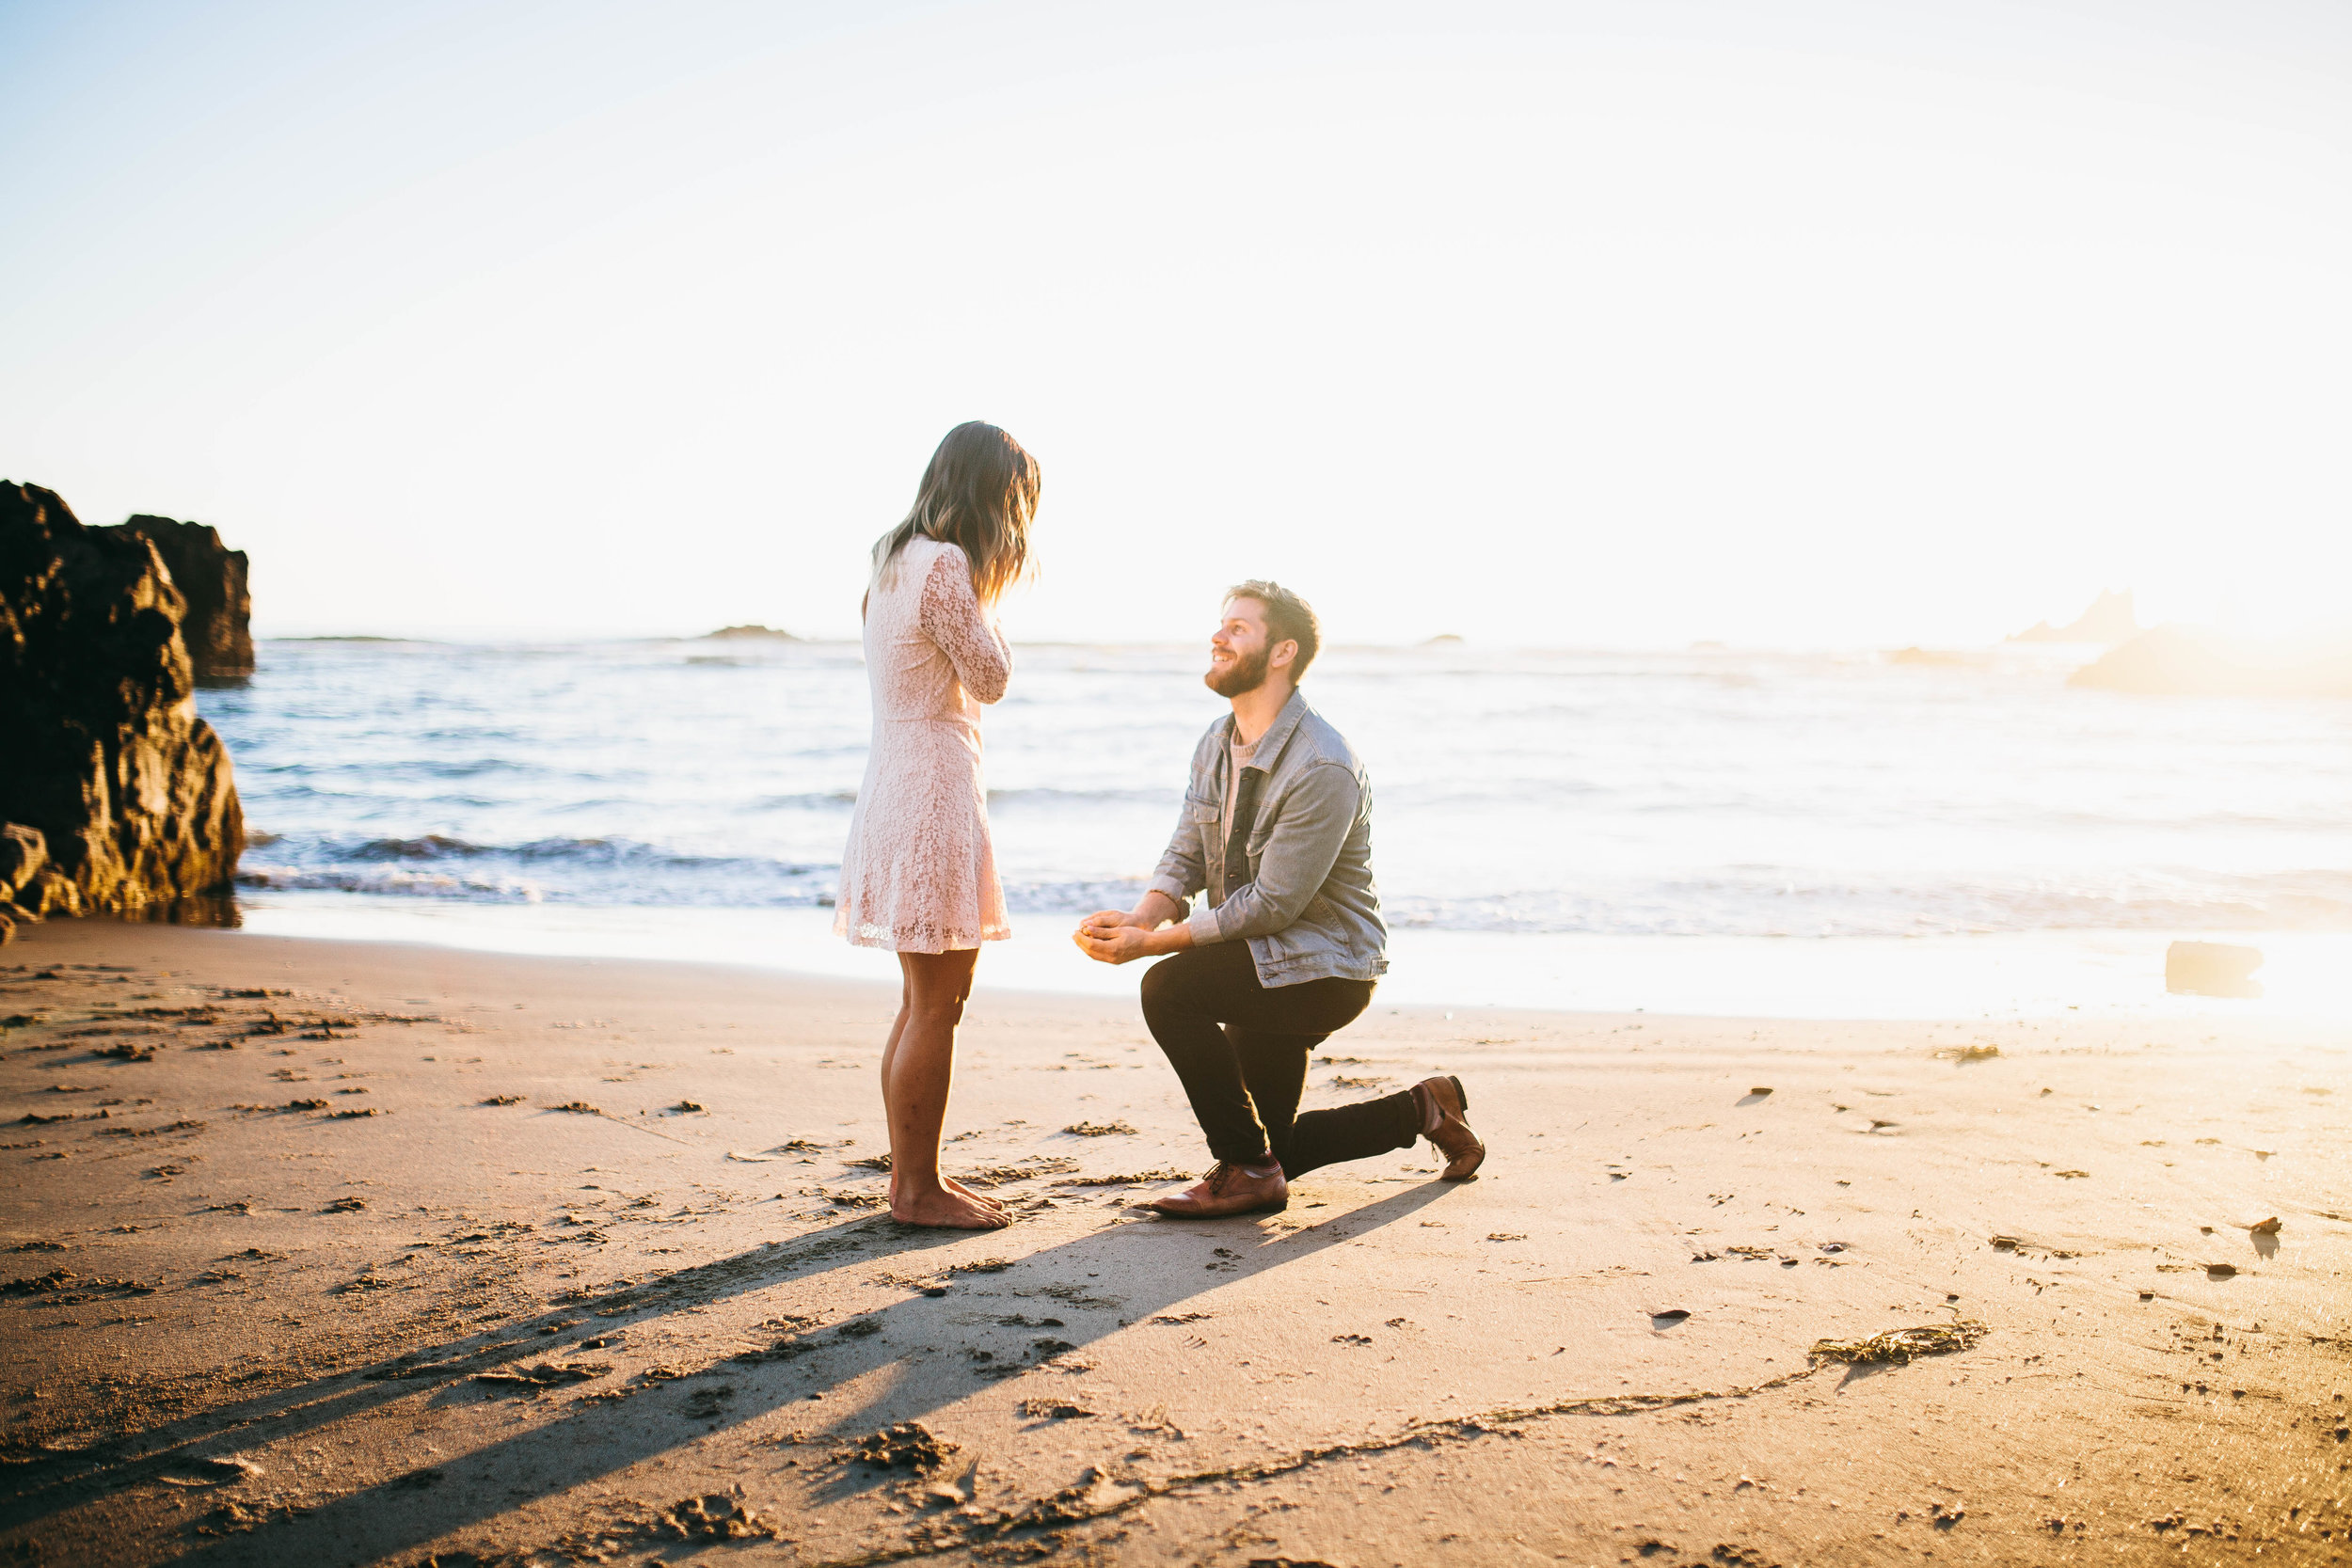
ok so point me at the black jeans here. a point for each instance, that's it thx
(1244, 1078)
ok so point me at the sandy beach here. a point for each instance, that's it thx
(342, 1253)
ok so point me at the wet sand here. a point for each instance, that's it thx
(341, 1253)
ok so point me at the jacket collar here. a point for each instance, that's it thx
(1269, 748)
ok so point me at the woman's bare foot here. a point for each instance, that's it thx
(983, 1199)
(948, 1210)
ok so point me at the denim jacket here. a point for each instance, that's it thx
(1306, 902)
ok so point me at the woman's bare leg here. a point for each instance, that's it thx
(919, 1067)
(890, 1051)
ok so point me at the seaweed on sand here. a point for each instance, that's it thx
(1029, 1169)
(714, 1517)
(1138, 1179)
(1901, 1345)
(906, 1445)
(546, 1374)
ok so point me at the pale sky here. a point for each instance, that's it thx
(1802, 323)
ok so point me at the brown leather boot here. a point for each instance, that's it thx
(1443, 1123)
(1229, 1189)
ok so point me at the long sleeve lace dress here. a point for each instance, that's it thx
(918, 874)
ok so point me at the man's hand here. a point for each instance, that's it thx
(1114, 944)
(1113, 938)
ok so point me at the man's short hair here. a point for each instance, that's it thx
(1287, 615)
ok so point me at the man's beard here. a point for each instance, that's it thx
(1244, 675)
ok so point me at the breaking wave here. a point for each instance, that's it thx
(1704, 794)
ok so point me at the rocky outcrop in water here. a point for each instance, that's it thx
(216, 626)
(125, 795)
(754, 633)
(2110, 619)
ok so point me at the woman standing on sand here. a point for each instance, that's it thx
(918, 875)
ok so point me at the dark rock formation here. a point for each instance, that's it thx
(129, 791)
(215, 627)
(23, 853)
(2110, 619)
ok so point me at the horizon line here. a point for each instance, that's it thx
(1441, 643)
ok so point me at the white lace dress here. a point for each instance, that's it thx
(918, 874)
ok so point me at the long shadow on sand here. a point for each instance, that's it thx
(44, 1487)
(949, 1347)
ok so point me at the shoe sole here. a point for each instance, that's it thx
(1275, 1207)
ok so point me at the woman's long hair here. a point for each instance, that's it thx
(979, 494)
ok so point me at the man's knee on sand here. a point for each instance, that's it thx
(1163, 994)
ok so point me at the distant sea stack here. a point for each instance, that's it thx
(116, 798)
(2110, 620)
(770, 633)
(216, 627)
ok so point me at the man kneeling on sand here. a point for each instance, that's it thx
(1286, 946)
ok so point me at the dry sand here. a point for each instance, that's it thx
(247, 1326)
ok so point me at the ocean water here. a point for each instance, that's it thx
(1570, 813)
